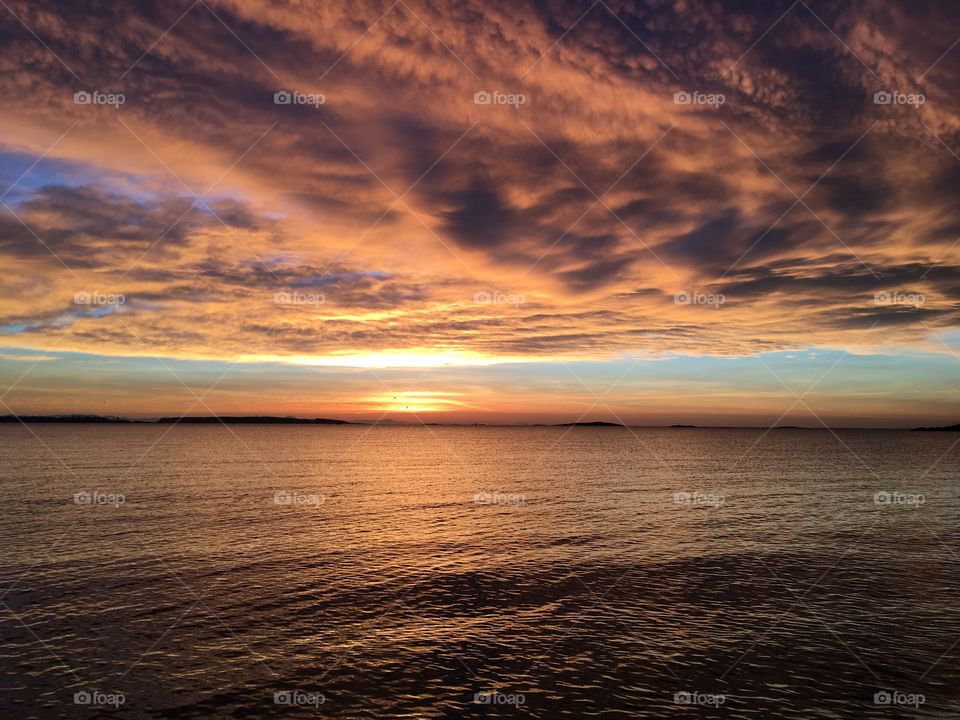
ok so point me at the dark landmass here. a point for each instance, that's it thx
(948, 428)
(101, 419)
(250, 420)
(205, 420)
(589, 424)
(684, 426)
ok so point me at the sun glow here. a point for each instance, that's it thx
(415, 401)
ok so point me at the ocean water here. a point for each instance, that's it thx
(443, 572)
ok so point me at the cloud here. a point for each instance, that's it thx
(58, 320)
(480, 218)
(399, 198)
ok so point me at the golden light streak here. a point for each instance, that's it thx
(415, 359)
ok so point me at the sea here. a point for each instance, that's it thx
(260, 571)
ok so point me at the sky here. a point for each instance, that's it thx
(737, 213)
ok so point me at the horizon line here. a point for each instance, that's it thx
(257, 419)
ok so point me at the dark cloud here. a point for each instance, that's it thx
(480, 217)
(85, 226)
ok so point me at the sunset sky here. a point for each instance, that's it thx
(643, 212)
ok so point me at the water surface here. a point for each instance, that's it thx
(398, 572)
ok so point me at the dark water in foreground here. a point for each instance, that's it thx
(359, 573)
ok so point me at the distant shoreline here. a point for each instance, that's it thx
(80, 419)
(194, 420)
